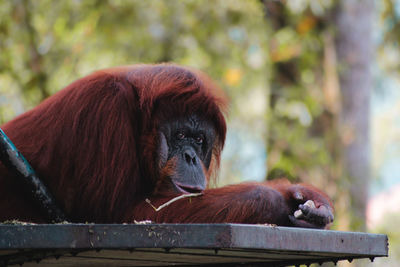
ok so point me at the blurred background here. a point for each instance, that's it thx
(313, 84)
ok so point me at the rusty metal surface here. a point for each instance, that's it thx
(181, 244)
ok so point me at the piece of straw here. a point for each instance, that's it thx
(172, 200)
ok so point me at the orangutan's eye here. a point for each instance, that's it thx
(199, 139)
(180, 135)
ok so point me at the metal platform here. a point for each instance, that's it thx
(181, 244)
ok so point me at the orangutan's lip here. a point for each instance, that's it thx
(188, 189)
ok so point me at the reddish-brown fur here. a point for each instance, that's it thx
(94, 145)
(269, 202)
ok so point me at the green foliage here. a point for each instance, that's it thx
(301, 131)
(390, 227)
(46, 44)
(389, 42)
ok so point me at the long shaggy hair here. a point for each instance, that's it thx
(94, 142)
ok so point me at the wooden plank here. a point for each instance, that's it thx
(181, 244)
(309, 240)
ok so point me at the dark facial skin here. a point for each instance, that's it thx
(186, 144)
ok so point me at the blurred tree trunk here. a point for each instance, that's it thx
(354, 51)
